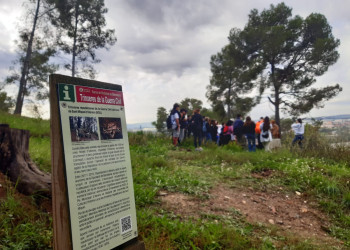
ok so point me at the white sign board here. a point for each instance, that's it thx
(97, 166)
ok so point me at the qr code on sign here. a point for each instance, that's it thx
(126, 224)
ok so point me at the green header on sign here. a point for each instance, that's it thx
(66, 92)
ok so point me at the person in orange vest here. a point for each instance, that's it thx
(258, 132)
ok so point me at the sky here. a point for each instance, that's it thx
(164, 47)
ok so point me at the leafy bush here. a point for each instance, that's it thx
(317, 145)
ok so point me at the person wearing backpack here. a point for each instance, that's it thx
(197, 127)
(265, 135)
(175, 123)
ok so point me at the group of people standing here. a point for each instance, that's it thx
(183, 126)
(264, 134)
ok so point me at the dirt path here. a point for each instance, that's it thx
(291, 214)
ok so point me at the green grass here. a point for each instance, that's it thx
(22, 227)
(37, 127)
(40, 152)
(164, 231)
(157, 166)
(39, 141)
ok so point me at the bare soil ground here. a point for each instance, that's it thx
(292, 214)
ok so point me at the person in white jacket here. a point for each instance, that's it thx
(265, 135)
(298, 128)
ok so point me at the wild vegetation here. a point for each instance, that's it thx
(318, 174)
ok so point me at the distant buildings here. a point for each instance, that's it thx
(336, 123)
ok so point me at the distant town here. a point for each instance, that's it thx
(332, 122)
(336, 123)
(336, 128)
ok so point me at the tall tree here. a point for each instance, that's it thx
(34, 55)
(191, 104)
(219, 112)
(160, 124)
(231, 81)
(291, 52)
(82, 22)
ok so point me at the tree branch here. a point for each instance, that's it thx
(271, 100)
(44, 13)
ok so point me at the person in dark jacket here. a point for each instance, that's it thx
(197, 127)
(237, 129)
(249, 131)
(213, 130)
(189, 126)
(206, 127)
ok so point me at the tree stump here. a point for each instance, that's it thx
(15, 162)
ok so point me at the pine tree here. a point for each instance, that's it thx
(291, 52)
(82, 25)
(231, 81)
(33, 56)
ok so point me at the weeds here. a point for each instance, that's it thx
(346, 200)
(40, 152)
(320, 171)
(22, 227)
(194, 173)
(37, 127)
(317, 145)
(169, 232)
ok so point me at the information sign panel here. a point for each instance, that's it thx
(97, 166)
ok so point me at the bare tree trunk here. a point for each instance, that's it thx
(15, 162)
(229, 101)
(277, 110)
(75, 39)
(25, 68)
(277, 102)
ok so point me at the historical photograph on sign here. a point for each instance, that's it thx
(83, 128)
(110, 128)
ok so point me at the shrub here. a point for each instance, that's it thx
(317, 145)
